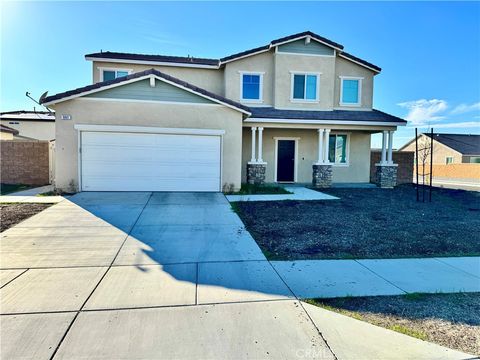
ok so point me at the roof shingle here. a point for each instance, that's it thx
(335, 115)
(465, 144)
(154, 58)
(140, 74)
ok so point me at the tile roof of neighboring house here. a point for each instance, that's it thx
(119, 80)
(27, 115)
(154, 58)
(215, 63)
(335, 115)
(7, 129)
(465, 144)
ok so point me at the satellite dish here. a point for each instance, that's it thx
(43, 96)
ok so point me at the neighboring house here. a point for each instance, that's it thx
(449, 148)
(39, 125)
(297, 110)
(7, 133)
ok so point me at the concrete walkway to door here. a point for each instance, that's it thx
(155, 275)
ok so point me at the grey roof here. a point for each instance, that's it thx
(281, 40)
(361, 61)
(154, 58)
(218, 62)
(335, 115)
(140, 74)
(465, 144)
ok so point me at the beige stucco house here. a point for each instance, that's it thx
(38, 125)
(297, 110)
(448, 148)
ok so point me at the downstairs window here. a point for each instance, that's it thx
(337, 149)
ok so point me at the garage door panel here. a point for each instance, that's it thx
(150, 162)
(109, 184)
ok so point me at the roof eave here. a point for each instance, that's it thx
(148, 62)
(139, 78)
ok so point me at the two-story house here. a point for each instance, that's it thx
(297, 110)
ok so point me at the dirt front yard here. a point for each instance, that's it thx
(12, 214)
(367, 223)
(451, 320)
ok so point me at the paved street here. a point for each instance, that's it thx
(162, 275)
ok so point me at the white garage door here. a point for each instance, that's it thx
(149, 162)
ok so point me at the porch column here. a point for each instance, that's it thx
(253, 159)
(390, 147)
(326, 145)
(320, 146)
(260, 144)
(384, 148)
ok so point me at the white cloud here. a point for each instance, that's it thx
(422, 112)
(464, 108)
(475, 125)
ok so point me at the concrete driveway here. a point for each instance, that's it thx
(145, 275)
(158, 276)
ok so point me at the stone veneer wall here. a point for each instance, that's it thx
(322, 176)
(404, 160)
(386, 176)
(256, 173)
(24, 162)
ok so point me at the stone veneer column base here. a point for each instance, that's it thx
(386, 176)
(256, 173)
(322, 175)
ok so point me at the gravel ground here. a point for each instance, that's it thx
(367, 223)
(451, 320)
(12, 214)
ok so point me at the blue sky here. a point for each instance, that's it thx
(429, 51)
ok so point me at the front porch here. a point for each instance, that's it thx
(316, 155)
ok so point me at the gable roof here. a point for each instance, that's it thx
(217, 63)
(140, 76)
(338, 116)
(8, 129)
(465, 144)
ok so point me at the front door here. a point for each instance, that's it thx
(286, 160)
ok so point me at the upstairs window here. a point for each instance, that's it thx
(305, 87)
(449, 160)
(337, 149)
(252, 84)
(113, 74)
(350, 92)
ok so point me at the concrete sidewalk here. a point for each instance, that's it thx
(30, 196)
(337, 278)
(298, 193)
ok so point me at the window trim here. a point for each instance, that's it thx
(305, 101)
(360, 83)
(252, 101)
(102, 69)
(347, 149)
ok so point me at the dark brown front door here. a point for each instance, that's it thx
(286, 160)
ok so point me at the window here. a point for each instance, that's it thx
(305, 87)
(337, 149)
(351, 91)
(113, 74)
(251, 86)
(475, 160)
(449, 160)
